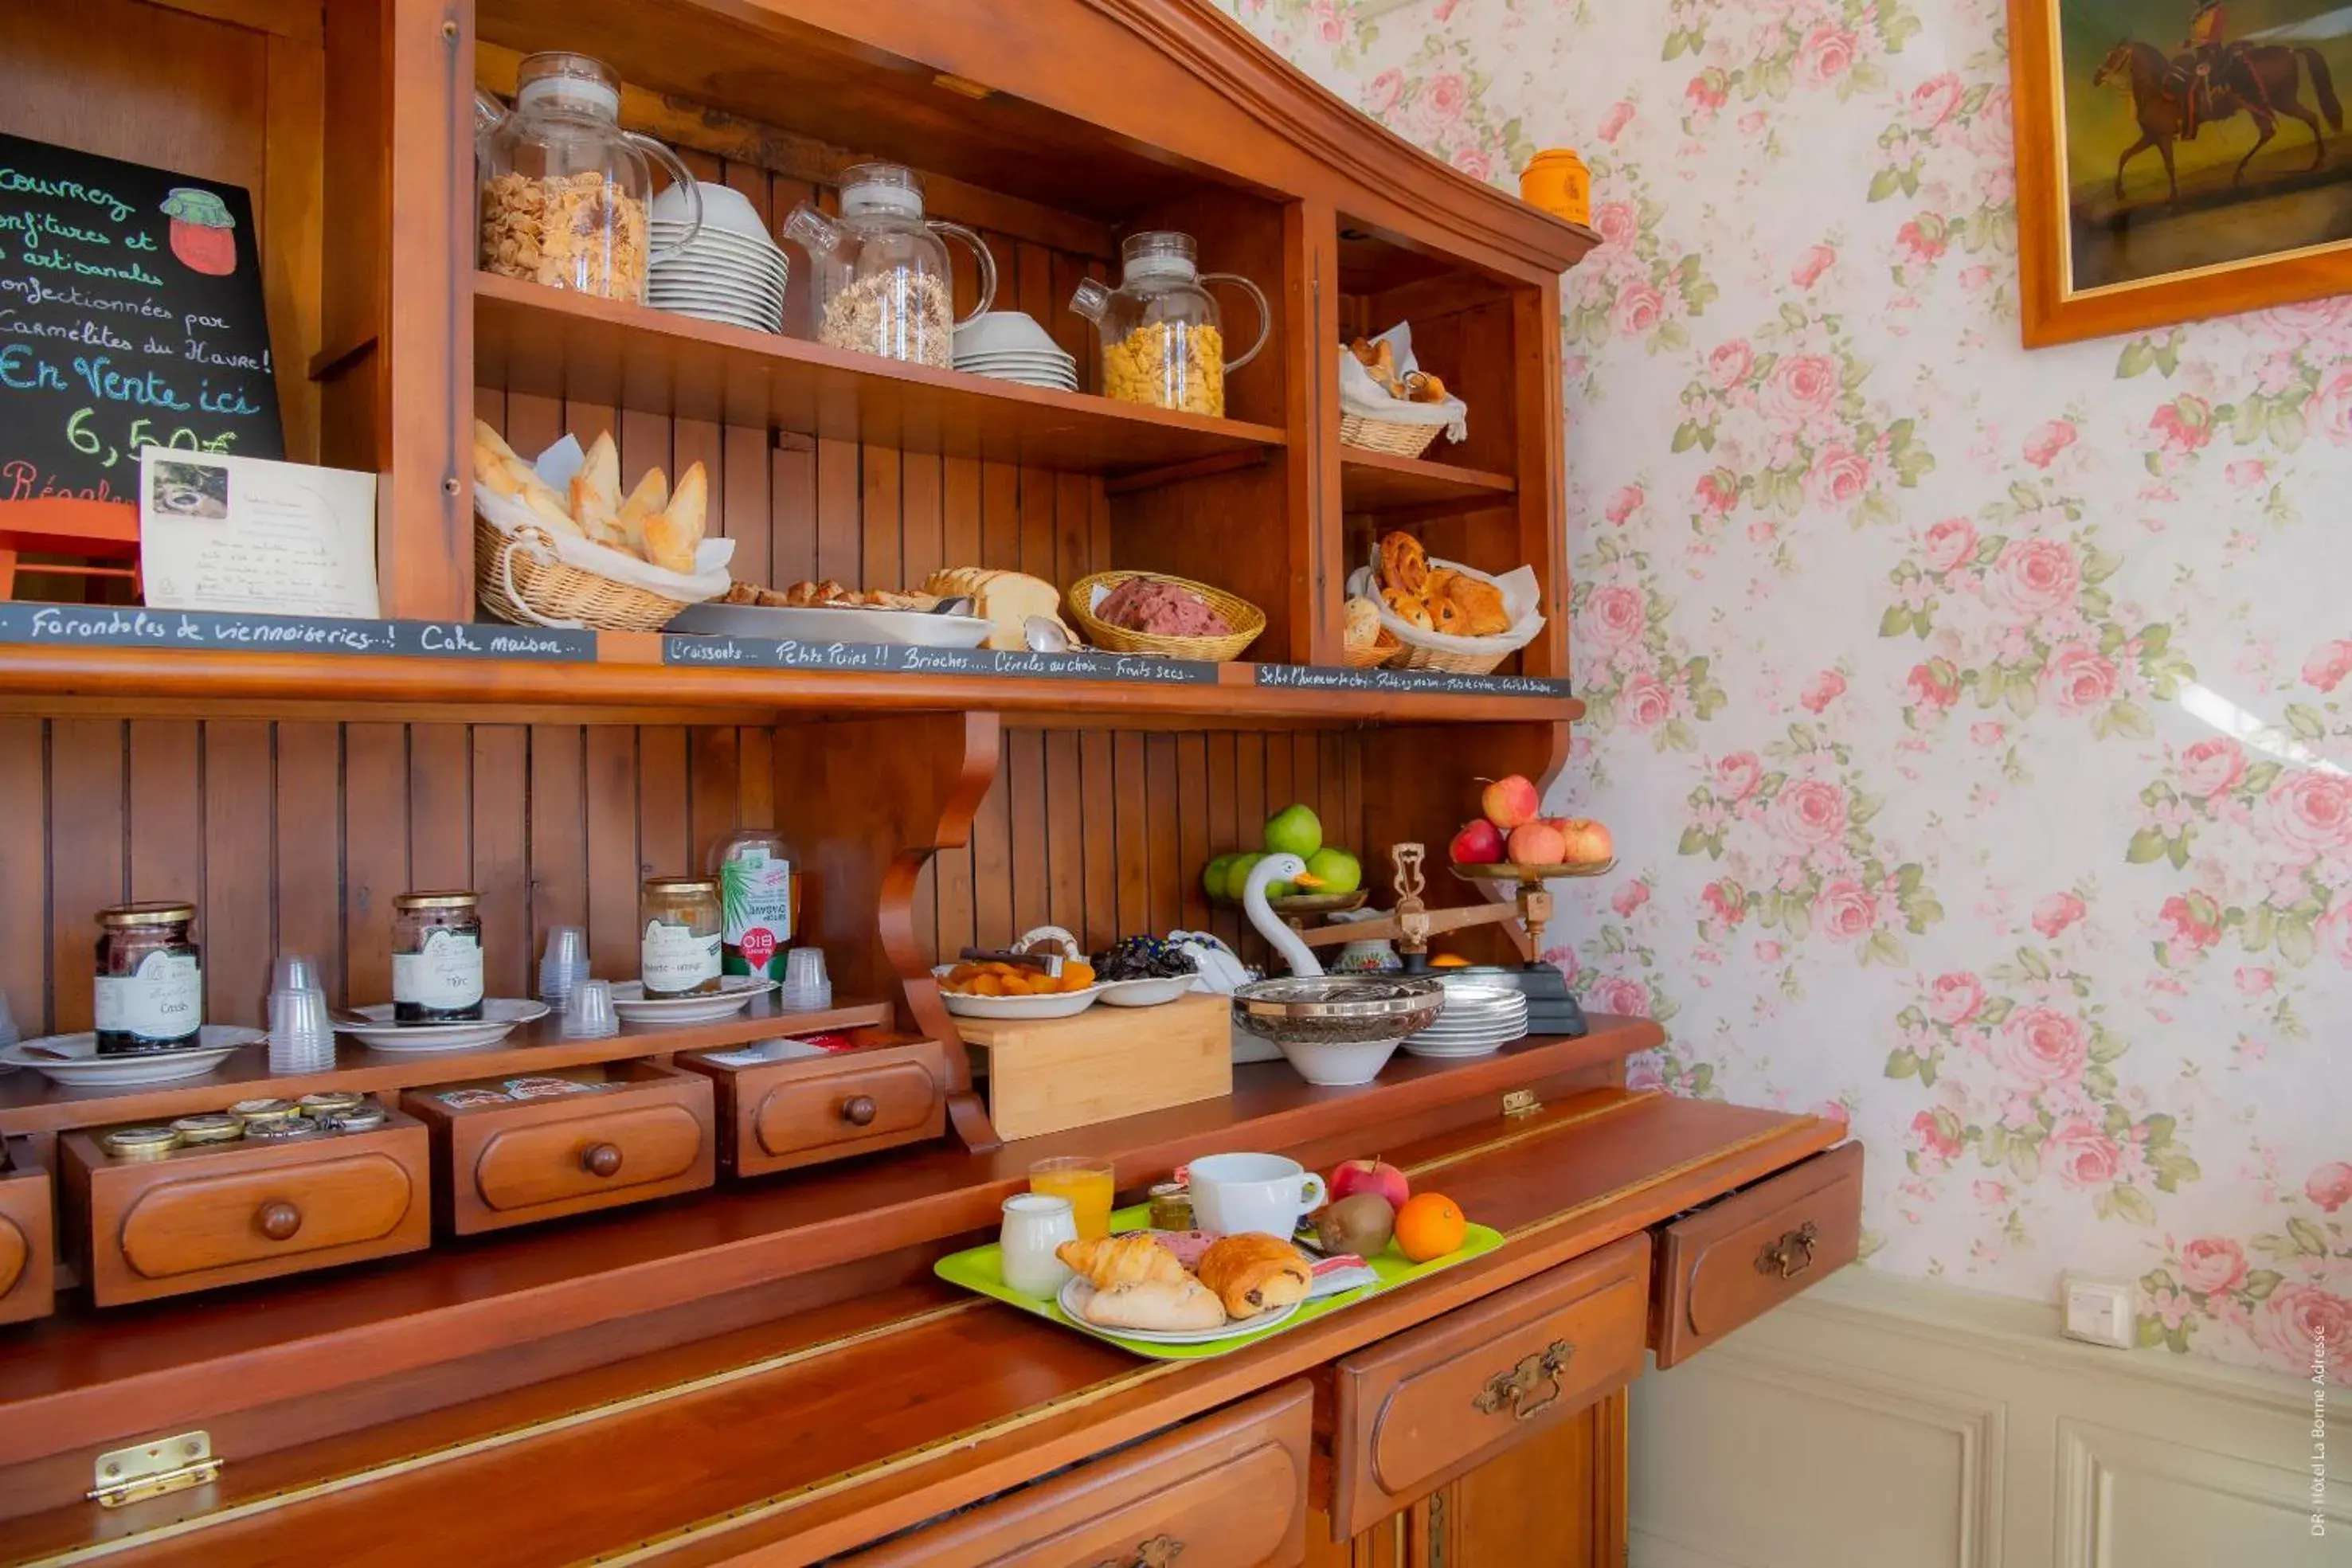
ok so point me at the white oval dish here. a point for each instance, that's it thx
(734, 994)
(1149, 993)
(1077, 1292)
(1054, 1005)
(501, 1016)
(216, 1043)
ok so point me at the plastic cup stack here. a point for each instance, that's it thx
(806, 989)
(301, 1039)
(8, 1024)
(565, 966)
(589, 1014)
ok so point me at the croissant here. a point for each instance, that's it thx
(1113, 1261)
(672, 534)
(1254, 1273)
(596, 493)
(1162, 1306)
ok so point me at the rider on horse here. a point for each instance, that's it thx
(2202, 52)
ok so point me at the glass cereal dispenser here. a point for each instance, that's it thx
(883, 286)
(1163, 343)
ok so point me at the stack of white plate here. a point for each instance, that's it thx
(1479, 1020)
(1009, 346)
(730, 271)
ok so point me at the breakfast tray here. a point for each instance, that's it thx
(978, 1270)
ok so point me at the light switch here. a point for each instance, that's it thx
(2099, 1311)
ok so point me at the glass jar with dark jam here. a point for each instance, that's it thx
(436, 957)
(150, 980)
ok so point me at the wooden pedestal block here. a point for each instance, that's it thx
(1053, 1075)
(223, 1214)
(28, 1239)
(645, 1133)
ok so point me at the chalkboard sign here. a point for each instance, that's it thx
(1335, 678)
(130, 316)
(780, 653)
(105, 626)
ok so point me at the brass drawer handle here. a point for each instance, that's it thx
(1510, 1390)
(1792, 1254)
(278, 1219)
(1157, 1553)
(859, 1111)
(601, 1160)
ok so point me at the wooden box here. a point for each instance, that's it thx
(27, 1240)
(779, 1114)
(1053, 1075)
(223, 1214)
(647, 1134)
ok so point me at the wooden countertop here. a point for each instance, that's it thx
(832, 1427)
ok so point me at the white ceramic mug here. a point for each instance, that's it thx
(1035, 1223)
(1233, 1194)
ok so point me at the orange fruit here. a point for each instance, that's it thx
(1429, 1226)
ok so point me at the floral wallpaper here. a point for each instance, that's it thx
(1975, 723)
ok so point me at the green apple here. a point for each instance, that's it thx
(1293, 831)
(1237, 875)
(1339, 871)
(1212, 875)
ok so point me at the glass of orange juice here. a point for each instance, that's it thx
(1086, 1182)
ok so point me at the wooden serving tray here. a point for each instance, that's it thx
(981, 1268)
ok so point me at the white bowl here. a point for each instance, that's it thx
(1341, 1065)
(724, 208)
(1004, 332)
(1145, 993)
(1055, 1005)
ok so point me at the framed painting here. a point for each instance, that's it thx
(2177, 159)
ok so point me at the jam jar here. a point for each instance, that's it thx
(150, 979)
(682, 927)
(436, 957)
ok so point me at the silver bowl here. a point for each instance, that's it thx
(1338, 1009)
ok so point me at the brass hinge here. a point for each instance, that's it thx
(1521, 1102)
(155, 1470)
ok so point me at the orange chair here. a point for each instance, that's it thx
(98, 530)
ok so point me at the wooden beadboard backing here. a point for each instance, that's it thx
(295, 836)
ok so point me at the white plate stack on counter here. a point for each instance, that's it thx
(730, 271)
(1009, 346)
(1479, 1020)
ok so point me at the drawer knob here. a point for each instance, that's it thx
(1157, 1553)
(858, 1110)
(1792, 1254)
(278, 1219)
(601, 1160)
(1514, 1390)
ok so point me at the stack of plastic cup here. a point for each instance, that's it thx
(564, 966)
(8, 1024)
(806, 989)
(590, 1015)
(301, 1039)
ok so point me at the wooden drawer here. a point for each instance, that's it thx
(226, 1212)
(27, 1241)
(778, 1114)
(1739, 1257)
(645, 1133)
(1413, 1412)
(1228, 1490)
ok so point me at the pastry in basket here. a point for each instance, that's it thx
(1130, 1260)
(1437, 598)
(496, 467)
(651, 495)
(596, 494)
(1404, 565)
(1254, 1273)
(1008, 600)
(672, 534)
(1157, 1306)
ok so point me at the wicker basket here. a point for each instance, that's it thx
(1418, 658)
(1373, 654)
(522, 581)
(1392, 436)
(1246, 620)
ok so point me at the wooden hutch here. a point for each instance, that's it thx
(760, 1366)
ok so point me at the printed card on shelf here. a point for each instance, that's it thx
(219, 532)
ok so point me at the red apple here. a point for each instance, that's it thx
(1478, 843)
(1536, 844)
(1508, 802)
(1584, 842)
(1377, 1177)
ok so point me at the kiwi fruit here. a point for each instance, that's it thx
(1361, 1225)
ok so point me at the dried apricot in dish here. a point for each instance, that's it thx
(1077, 976)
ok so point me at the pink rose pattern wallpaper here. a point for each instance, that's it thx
(1976, 724)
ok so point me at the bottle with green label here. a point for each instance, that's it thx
(754, 870)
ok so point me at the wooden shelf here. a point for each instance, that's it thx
(1383, 482)
(553, 343)
(628, 684)
(29, 1102)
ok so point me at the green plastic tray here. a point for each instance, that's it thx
(981, 1268)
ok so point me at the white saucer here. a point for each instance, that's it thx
(734, 994)
(1076, 1292)
(216, 1043)
(501, 1016)
(1148, 993)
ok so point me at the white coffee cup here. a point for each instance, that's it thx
(1235, 1194)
